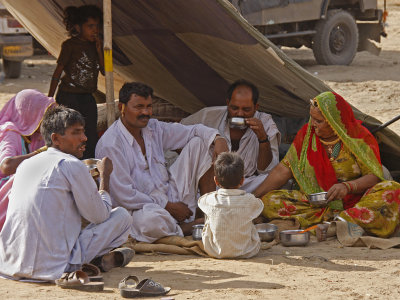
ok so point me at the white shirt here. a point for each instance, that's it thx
(51, 192)
(217, 117)
(137, 180)
(229, 230)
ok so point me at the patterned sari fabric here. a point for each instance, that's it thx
(377, 210)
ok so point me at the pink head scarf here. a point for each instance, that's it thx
(24, 112)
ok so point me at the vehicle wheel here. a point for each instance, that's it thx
(12, 69)
(336, 39)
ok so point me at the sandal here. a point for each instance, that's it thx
(93, 272)
(118, 257)
(79, 280)
(144, 288)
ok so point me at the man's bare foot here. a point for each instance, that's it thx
(187, 228)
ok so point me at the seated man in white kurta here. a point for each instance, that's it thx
(52, 191)
(257, 143)
(162, 202)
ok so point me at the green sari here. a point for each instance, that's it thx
(376, 210)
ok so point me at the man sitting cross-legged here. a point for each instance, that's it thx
(160, 200)
(52, 191)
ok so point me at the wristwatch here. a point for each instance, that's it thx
(263, 141)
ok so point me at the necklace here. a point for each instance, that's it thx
(334, 142)
(333, 150)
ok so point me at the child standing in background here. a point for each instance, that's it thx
(229, 212)
(81, 58)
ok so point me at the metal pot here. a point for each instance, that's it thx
(197, 231)
(266, 231)
(294, 237)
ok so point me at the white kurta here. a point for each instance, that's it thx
(143, 184)
(217, 117)
(229, 230)
(42, 235)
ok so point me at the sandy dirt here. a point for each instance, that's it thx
(319, 271)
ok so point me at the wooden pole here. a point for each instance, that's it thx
(108, 63)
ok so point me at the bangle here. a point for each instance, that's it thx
(354, 187)
(55, 78)
(347, 185)
(263, 141)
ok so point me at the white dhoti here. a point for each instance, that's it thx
(98, 239)
(251, 183)
(153, 222)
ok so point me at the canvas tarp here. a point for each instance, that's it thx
(189, 51)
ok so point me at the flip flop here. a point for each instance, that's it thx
(119, 257)
(144, 288)
(93, 272)
(79, 280)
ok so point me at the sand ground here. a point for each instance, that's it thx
(319, 271)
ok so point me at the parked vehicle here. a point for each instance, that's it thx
(15, 44)
(334, 29)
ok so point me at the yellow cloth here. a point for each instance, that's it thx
(377, 212)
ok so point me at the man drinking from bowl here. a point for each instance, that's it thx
(256, 141)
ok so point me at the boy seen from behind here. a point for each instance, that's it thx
(229, 231)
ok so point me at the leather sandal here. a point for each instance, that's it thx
(93, 272)
(79, 280)
(144, 288)
(118, 257)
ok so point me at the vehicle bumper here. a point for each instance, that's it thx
(16, 47)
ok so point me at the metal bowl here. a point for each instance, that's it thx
(237, 122)
(318, 199)
(91, 163)
(197, 231)
(294, 238)
(266, 231)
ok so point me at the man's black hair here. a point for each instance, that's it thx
(57, 120)
(134, 88)
(243, 82)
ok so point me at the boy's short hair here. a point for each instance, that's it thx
(229, 169)
(57, 119)
(131, 88)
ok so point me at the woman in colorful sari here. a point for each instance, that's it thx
(336, 154)
(20, 138)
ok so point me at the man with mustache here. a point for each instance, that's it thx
(256, 141)
(162, 202)
(42, 236)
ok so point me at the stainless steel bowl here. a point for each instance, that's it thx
(318, 199)
(294, 238)
(237, 122)
(197, 231)
(266, 231)
(91, 163)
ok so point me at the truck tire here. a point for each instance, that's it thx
(336, 38)
(12, 69)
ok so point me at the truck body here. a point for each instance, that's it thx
(334, 29)
(15, 44)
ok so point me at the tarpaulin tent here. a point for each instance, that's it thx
(189, 51)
